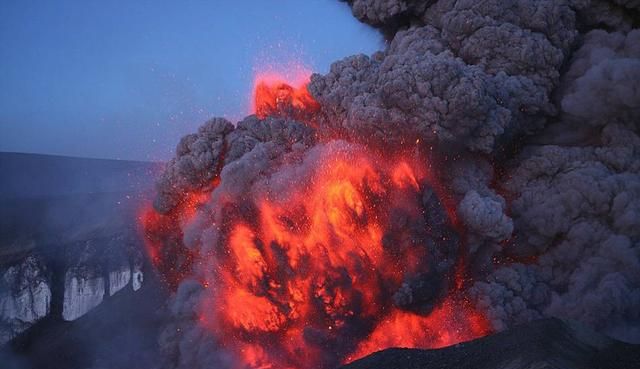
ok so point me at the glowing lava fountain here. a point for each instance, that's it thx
(315, 256)
(273, 94)
(339, 263)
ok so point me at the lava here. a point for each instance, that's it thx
(306, 278)
(324, 258)
(162, 235)
(453, 321)
(279, 95)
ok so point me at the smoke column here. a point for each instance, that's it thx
(481, 171)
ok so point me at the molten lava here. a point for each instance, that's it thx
(276, 95)
(453, 321)
(323, 258)
(162, 234)
(306, 278)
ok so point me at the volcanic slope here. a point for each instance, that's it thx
(548, 343)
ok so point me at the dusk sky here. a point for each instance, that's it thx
(127, 79)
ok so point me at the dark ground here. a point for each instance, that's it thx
(543, 344)
(48, 200)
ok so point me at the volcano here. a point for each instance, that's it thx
(320, 248)
(467, 196)
(466, 179)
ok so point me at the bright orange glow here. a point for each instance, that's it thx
(283, 95)
(249, 261)
(305, 279)
(252, 313)
(403, 176)
(449, 323)
(152, 222)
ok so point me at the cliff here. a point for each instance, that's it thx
(69, 238)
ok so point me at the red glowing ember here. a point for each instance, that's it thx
(277, 95)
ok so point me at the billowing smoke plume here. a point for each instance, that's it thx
(504, 184)
(475, 74)
(301, 249)
(576, 206)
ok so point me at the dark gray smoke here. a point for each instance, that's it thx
(573, 190)
(468, 74)
(200, 157)
(576, 205)
(531, 109)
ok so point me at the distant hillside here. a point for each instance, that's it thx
(48, 199)
(36, 175)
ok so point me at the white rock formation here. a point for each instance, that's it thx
(119, 278)
(137, 277)
(81, 294)
(25, 297)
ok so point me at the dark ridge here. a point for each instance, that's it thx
(548, 343)
(37, 175)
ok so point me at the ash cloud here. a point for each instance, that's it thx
(529, 110)
(200, 157)
(575, 206)
(603, 81)
(469, 75)
(572, 190)
(275, 169)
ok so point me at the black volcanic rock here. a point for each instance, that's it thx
(549, 343)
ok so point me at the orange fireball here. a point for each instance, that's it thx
(306, 278)
(276, 95)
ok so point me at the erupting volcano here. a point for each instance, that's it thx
(319, 256)
(473, 167)
(431, 193)
(322, 253)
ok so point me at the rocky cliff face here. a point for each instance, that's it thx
(137, 277)
(96, 269)
(83, 290)
(68, 286)
(25, 296)
(69, 246)
(119, 278)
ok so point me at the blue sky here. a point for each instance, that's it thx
(127, 79)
